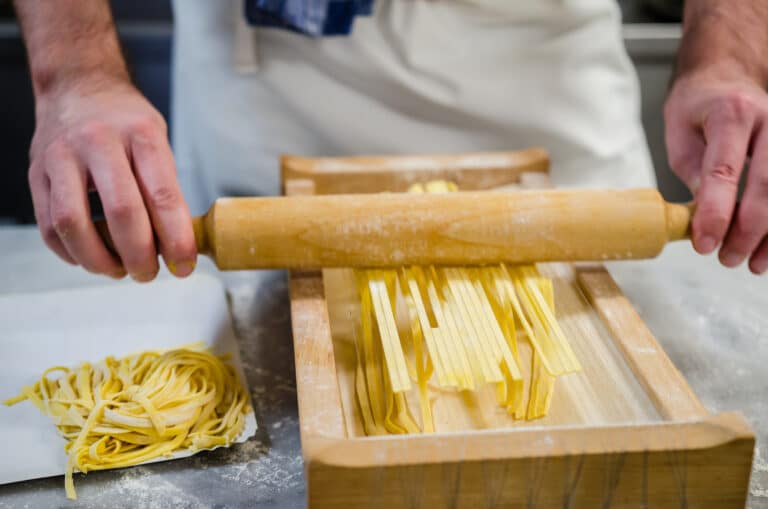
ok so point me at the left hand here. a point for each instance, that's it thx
(715, 120)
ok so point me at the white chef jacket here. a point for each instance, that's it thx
(419, 76)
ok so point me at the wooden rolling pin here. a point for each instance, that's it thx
(464, 228)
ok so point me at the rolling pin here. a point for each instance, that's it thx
(462, 228)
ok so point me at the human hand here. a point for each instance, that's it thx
(715, 122)
(101, 133)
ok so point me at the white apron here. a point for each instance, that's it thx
(420, 76)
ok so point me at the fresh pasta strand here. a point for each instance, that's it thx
(122, 412)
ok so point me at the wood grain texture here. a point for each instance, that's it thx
(321, 414)
(662, 381)
(313, 347)
(631, 445)
(472, 228)
(376, 174)
(700, 464)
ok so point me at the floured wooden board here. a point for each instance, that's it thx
(626, 431)
(66, 327)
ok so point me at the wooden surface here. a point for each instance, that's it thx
(313, 347)
(376, 174)
(699, 464)
(627, 432)
(320, 414)
(661, 380)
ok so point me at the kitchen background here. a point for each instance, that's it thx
(651, 34)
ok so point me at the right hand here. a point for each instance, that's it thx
(101, 133)
(715, 121)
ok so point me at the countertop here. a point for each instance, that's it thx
(264, 472)
(711, 321)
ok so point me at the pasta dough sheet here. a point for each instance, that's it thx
(40, 330)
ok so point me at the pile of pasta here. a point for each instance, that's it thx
(465, 327)
(122, 412)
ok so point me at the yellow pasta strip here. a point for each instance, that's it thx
(510, 394)
(371, 366)
(404, 417)
(473, 330)
(16, 399)
(391, 423)
(363, 400)
(422, 374)
(542, 388)
(371, 425)
(545, 310)
(497, 334)
(542, 383)
(390, 340)
(448, 336)
(529, 322)
(435, 348)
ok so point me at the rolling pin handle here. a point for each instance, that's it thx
(679, 220)
(198, 225)
(201, 234)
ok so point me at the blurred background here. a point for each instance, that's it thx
(651, 34)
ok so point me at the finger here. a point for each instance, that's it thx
(758, 263)
(40, 187)
(71, 219)
(685, 150)
(727, 142)
(750, 223)
(156, 176)
(124, 209)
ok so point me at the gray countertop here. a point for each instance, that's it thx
(712, 321)
(265, 472)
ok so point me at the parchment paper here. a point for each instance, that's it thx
(40, 330)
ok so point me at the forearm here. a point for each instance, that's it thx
(722, 36)
(68, 40)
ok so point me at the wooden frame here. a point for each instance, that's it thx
(374, 174)
(689, 459)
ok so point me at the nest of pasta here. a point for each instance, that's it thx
(122, 412)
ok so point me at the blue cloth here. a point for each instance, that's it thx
(315, 18)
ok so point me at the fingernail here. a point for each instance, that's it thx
(143, 278)
(731, 258)
(707, 244)
(694, 184)
(118, 273)
(181, 269)
(759, 267)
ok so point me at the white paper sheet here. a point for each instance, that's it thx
(40, 330)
